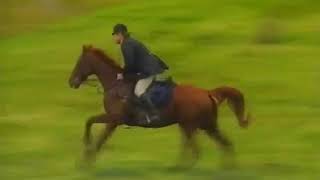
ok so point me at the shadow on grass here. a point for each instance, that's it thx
(118, 172)
(247, 172)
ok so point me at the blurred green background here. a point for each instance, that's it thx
(269, 49)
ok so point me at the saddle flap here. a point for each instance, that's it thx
(161, 92)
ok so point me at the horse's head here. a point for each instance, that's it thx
(82, 69)
(94, 61)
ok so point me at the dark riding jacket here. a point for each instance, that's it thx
(139, 60)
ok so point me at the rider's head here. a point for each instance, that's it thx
(120, 32)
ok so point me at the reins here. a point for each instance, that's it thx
(94, 83)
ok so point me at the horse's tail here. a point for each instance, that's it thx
(235, 101)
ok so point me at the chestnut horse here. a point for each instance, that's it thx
(191, 108)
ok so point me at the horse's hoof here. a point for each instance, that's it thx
(229, 163)
(177, 168)
(83, 165)
(89, 156)
(182, 166)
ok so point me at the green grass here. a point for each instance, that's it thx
(206, 43)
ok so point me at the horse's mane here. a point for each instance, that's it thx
(105, 58)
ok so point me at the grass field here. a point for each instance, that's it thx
(268, 49)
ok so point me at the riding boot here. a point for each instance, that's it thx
(152, 112)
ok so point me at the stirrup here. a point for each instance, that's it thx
(148, 119)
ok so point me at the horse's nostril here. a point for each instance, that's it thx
(76, 83)
(73, 82)
(77, 80)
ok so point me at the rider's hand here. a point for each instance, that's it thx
(119, 76)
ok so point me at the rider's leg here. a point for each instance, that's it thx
(153, 114)
(142, 85)
(140, 91)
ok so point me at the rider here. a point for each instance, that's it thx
(139, 61)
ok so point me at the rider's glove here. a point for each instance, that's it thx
(119, 76)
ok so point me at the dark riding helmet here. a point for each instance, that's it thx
(120, 28)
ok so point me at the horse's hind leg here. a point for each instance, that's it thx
(189, 143)
(227, 147)
(222, 141)
(212, 129)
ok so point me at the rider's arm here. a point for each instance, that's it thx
(128, 55)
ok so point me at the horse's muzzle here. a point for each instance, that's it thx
(75, 83)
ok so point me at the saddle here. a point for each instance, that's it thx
(160, 93)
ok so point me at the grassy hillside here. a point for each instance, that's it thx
(268, 49)
(18, 17)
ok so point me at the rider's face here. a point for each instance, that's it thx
(117, 38)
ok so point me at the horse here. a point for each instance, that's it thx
(192, 108)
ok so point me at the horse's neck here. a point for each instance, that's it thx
(107, 75)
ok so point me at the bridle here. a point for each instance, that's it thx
(93, 82)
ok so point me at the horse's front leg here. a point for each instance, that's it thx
(111, 124)
(102, 118)
(114, 120)
(106, 134)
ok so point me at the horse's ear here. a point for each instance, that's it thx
(84, 48)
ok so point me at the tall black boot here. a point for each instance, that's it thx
(152, 112)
